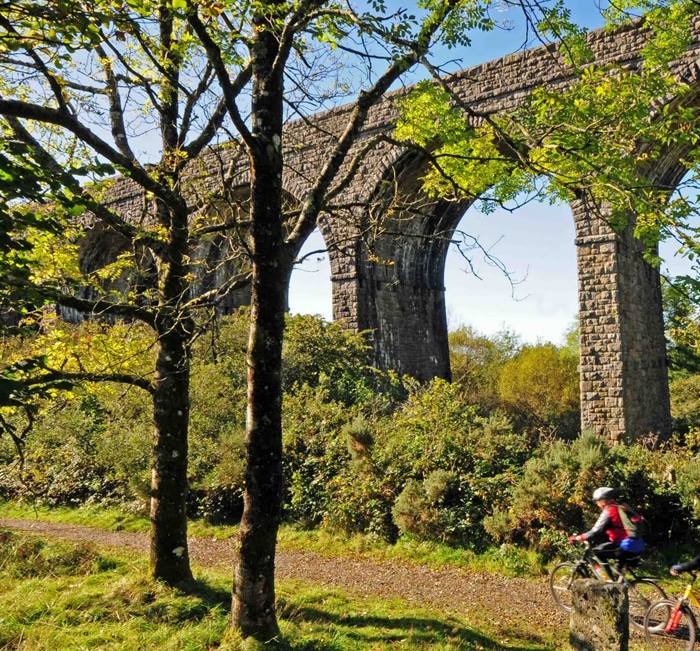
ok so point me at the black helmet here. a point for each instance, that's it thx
(603, 493)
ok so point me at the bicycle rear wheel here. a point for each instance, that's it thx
(642, 593)
(655, 621)
(560, 579)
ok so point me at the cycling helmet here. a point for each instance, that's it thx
(603, 493)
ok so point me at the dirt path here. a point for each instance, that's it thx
(454, 590)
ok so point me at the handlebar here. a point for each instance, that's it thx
(585, 543)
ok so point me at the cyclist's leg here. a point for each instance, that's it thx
(605, 552)
(627, 560)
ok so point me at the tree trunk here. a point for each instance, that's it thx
(169, 555)
(170, 560)
(253, 609)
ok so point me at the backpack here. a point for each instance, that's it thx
(634, 524)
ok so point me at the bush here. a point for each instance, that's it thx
(465, 464)
(414, 513)
(315, 453)
(553, 497)
(554, 491)
(438, 509)
(328, 355)
(540, 389)
(64, 462)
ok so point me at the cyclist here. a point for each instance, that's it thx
(614, 523)
(688, 566)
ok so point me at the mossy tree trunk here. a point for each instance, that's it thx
(253, 610)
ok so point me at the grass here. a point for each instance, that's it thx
(56, 595)
(507, 559)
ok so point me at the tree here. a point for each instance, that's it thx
(81, 81)
(222, 68)
(276, 32)
(681, 324)
(89, 89)
(540, 385)
(477, 360)
(601, 141)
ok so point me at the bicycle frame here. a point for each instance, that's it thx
(590, 559)
(691, 595)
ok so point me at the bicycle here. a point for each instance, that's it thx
(641, 591)
(671, 625)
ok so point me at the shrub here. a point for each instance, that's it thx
(315, 453)
(540, 388)
(553, 497)
(554, 491)
(63, 458)
(464, 463)
(414, 512)
(328, 355)
(439, 509)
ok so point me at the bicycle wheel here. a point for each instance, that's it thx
(680, 639)
(642, 593)
(560, 579)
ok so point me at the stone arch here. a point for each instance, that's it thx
(389, 280)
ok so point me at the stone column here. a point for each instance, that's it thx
(393, 286)
(624, 381)
(599, 616)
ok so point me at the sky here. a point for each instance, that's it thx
(535, 243)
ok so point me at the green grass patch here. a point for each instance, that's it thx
(59, 595)
(56, 595)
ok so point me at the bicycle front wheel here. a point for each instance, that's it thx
(642, 593)
(560, 579)
(682, 638)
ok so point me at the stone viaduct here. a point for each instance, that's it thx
(387, 275)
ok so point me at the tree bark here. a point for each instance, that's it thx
(253, 609)
(171, 409)
(169, 554)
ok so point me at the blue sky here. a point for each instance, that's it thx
(535, 243)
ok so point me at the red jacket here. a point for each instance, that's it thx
(610, 523)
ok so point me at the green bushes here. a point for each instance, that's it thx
(553, 496)
(489, 459)
(433, 468)
(315, 453)
(69, 459)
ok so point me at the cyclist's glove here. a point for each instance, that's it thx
(676, 568)
(579, 537)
